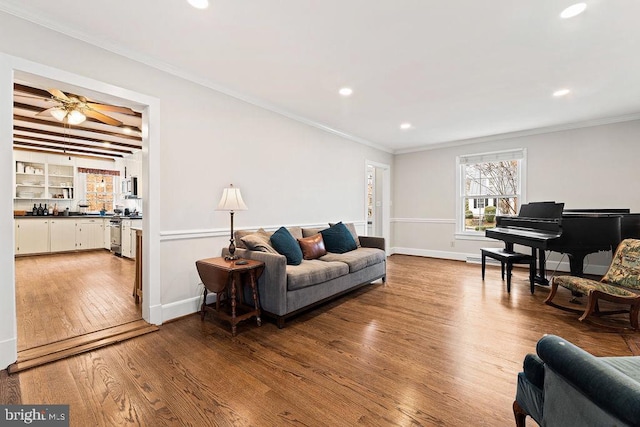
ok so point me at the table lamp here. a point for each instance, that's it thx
(231, 201)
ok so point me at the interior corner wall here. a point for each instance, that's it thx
(289, 172)
(590, 167)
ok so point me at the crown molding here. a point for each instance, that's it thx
(522, 133)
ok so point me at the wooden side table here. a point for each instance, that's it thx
(227, 276)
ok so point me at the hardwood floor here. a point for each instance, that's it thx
(435, 346)
(61, 296)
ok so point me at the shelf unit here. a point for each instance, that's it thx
(44, 181)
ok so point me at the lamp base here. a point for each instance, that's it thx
(231, 257)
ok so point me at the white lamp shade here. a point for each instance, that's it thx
(59, 113)
(231, 200)
(75, 117)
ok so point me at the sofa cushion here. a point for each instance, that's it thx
(258, 242)
(239, 234)
(357, 259)
(313, 272)
(312, 247)
(286, 245)
(352, 229)
(338, 239)
(308, 232)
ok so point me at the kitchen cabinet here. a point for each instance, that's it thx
(44, 181)
(106, 234)
(32, 236)
(62, 234)
(89, 233)
(129, 237)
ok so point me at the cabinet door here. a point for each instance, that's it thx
(89, 234)
(32, 236)
(62, 232)
(106, 234)
(134, 223)
(126, 238)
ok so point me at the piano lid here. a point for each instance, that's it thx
(541, 210)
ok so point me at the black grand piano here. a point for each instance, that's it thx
(547, 226)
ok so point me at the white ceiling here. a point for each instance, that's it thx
(456, 69)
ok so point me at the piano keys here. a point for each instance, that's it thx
(547, 226)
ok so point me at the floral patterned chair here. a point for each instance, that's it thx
(620, 285)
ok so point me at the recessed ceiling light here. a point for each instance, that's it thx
(561, 92)
(127, 130)
(573, 10)
(345, 91)
(405, 126)
(199, 4)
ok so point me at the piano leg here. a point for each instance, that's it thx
(541, 276)
(576, 263)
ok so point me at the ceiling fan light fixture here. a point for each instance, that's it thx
(59, 114)
(75, 117)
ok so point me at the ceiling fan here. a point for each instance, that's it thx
(75, 109)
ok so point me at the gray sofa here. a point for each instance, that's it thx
(286, 290)
(563, 385)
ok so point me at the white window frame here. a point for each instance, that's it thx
(494, 156)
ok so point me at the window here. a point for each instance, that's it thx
(99, 186)
(490, 184)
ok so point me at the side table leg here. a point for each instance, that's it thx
(233, 305)
(203, 308)
(256, 301)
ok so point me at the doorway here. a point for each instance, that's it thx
(378, 200)
(11, 67)
(71, 286)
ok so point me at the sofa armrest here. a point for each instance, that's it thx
(372, 242)
(272, 284)
(607, 387)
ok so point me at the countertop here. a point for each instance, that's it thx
(76, 216)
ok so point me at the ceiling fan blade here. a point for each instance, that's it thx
(102, 117)
(46, 112)
(58, 94)
(111, 108)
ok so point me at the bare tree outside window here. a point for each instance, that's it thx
(491, 189)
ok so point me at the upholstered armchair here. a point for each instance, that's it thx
(563, 385)
(621, 285)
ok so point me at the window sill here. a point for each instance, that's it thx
(472, 236)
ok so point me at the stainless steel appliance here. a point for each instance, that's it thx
(115, 225)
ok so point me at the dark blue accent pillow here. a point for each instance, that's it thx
(283, 242)
(338, 239)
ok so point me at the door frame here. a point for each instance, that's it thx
(151, 304)
(386, 199)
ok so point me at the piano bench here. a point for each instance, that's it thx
(508, 259)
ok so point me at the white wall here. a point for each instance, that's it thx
(289, 173)
(592, 167)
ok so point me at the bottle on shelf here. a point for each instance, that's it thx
(34, 211)
(55, 209)
(40, 210)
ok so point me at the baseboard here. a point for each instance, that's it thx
(185, 307)
(8, 352)
(430, 253)
(596, 270)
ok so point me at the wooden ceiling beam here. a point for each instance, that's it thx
(74, 144)
(74, 137)
(86, 156)
(63, 150)
(56, 124)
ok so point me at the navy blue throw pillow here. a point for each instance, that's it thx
(287, 245)
(338, 239)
